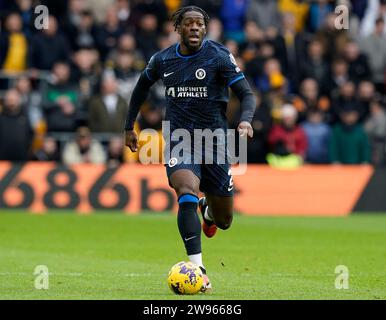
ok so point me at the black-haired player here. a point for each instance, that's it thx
(196, 74)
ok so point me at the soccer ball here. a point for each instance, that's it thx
(185, 278)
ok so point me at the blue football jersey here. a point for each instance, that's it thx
(196, 86)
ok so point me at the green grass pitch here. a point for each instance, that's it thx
(115, 256)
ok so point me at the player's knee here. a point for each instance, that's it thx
(185, 189)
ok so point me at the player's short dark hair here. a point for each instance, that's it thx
(179, 14)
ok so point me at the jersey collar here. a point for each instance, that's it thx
(189, 56)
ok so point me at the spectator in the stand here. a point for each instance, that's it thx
(125, 73)
(31, 101)
(287, 137)
(264, 12)
(164, 41)
(127, 43)
(109, 33)
(356, 12)
(233, 47)
(334, 39)
(15, 130)
(358, 65)
(346, 99)
(107, 111)
(358, 8)
(155, 8)
(31, 98)
(375, 127)
(272, 76)
(169, 33)
(275, 98)
(375, 9)
(253, 37)
(86, 72)
(13, 45)
(72, 18)
(75, 9)
(349, 143)
(61, 100)
(318, 135)
(261, 124)
(84, 149)
(233, 17)
(215, 30)
(49, 151)
(124, 12)
(310, 98)
(339, 76)
(85, 33)
(298, 8)
(147, 35)
(375, 48)
(99, 8)
(26, 11)
(294, 51)
(277, 41)
(48, 47)
(315, 66)
(115, 152)
(366, 92)
(317, 14)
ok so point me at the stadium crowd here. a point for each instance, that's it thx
(64, 90)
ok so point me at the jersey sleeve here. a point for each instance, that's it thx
(228, 69)
(152, 68)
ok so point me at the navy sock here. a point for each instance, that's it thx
(189, 224)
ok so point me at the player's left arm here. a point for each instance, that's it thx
(235, 79)
(243, 92)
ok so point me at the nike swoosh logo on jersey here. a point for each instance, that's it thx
(187, 239)
(167, 74)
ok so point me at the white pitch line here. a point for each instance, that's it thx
(77, 274)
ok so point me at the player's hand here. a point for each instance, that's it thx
(131, 140)
(245, 128)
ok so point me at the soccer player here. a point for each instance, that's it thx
(196, 73)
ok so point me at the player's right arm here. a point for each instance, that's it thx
(148, 77)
